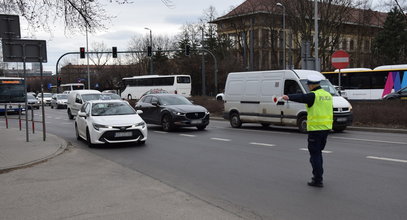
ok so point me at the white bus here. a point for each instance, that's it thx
(67, 88)
(136, 86)
(367, 84)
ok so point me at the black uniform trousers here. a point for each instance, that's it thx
(316, 143)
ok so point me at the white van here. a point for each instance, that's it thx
(77, 97)
(253, 97)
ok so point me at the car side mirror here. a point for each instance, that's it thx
(82, 114)
(155, 103)
(139, 112)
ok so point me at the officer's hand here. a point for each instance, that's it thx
(285, 97)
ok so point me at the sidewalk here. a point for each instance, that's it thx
(77, 184)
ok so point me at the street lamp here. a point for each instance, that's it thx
(281, 5)
(151, 45)
(87, 43)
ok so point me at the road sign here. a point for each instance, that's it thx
(18, 50)
(9, 26)
(340, 59)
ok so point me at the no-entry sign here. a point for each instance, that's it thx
(340, 59)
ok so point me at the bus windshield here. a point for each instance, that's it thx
(325, 84)
(11, 93)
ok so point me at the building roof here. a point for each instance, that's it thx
(270, 6)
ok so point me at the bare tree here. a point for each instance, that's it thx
(76, 14)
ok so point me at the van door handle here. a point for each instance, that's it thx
(280, 103)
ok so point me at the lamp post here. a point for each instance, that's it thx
(87, 44)
(281, 5)
(151, 45)
(317, 67)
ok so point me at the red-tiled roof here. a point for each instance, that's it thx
(270, 6)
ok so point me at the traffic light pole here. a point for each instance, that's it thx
(143, 51)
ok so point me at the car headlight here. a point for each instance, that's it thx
(99, 126)
(207, 112)
(142, 124)
(178, 113)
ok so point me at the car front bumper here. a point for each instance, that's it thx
(117, 135)
(183, 121)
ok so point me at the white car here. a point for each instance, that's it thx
(47, 98)
(109, 121)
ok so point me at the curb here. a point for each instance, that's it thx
(63, 146)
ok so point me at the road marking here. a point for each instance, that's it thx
(387, 159)
(263, 144)
(187, 135)
(161, 132)
(220, 139)
(324, 151)
(58, 118)
(379, 141)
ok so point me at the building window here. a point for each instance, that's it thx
(367, 45)
(351, 45)
(344, 44)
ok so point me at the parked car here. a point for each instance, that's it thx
(110, 96)
(109, 121)
(220, 96)
(59, 101)
(32, 102)
(171, 110)
(47, 98)
(400, 94)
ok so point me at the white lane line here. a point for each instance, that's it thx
(187, 135)
(161, 132)
(58, 118)
(324, 151)
(379, 141)
(220, 139)
(387, 159)
(263, 144)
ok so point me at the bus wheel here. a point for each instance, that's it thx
(129, 97)
(235, 120)
(302, 124)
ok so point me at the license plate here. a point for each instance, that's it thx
(196, 121)
(123, 134)
(341, 119)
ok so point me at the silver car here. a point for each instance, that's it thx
(59, 101)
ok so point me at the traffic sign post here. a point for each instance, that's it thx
(340, 60)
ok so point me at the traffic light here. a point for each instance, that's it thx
(59, 81)
(82, 52)
(149, 51)
(187, 50)
(114, 52)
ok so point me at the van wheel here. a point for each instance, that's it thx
(77, 132)
(88, 139)
(70, 114)
(265, 125)
(235, 120)
(302, 124)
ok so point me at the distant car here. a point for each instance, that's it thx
(220, 96)
(109, 121)
(155, 91)
(59, 101)
(47, 98)
(171, 110)
(110, 96)
(109, 91)
(32, 102)
(32, 93)
(400, 94)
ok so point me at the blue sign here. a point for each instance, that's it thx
(49, 85)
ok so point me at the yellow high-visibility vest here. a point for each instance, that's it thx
(320, 115)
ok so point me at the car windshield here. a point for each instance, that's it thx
(88, 97)
(325, 84)
(112, 108)
(109, 96)
(174, 100)
(29, 96)
(47, 95)
(62, 96)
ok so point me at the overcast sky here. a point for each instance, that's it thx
(131, 19)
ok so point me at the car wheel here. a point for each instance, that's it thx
(70, 114)
(77, 132)
(88, 139)
(142, 142)
(219, 98)
(166, 123)
(235, 120)
(201, 127)
(52, 106)
(302, 124)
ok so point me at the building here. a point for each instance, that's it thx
(263, 31)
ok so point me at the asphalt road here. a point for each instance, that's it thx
(262, 173)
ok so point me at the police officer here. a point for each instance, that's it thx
(319, 123)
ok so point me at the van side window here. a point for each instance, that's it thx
(291, 87)
(78, 99)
